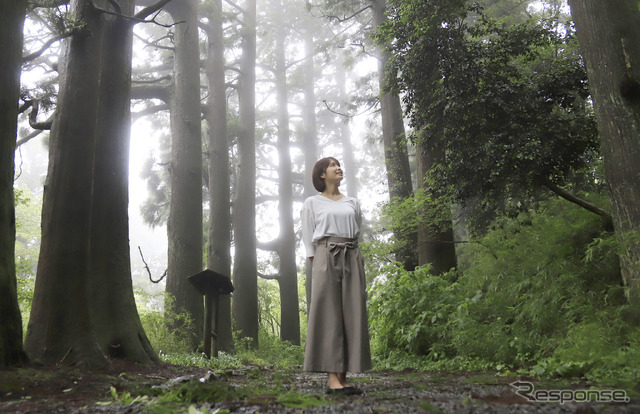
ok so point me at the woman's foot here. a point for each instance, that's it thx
(337, 384)
(342, 377)
(334, 382)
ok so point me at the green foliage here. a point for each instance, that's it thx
(269, 306)
(173, 399)
(508, 104)
(27, 248)
(157, 323)
(272, 352)
(405, 215)
(535, 282)
(125, 397)
(199, 393)
(155, 209)
(538, 295)
(409, 310)
(297, 400)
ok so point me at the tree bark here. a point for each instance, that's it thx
(219, 247)
(111, 296)
(288, 280)
(310, 134)
(348, 157)
(609, 36)
(245, 273)
(395, 146)
(184, 225)
(60, 327)
(11, 25)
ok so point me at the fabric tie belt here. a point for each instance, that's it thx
(339, 246)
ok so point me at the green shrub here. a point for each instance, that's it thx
(535, 284)
(410, 311)
(156, 325)
(540, 292)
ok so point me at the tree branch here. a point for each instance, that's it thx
(150, 91)
(155, 44)
(33, 122)
(343, 18)
(31, 136)
(146, 266)
(268, 277)
(141, 16)
(149, 111)
(26, 105)
(577, 200)
(151, 81)
(375, 103)
(234, 5)
(46, 45)
(149, 10)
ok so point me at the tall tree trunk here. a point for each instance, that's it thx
(395, 147)
(288, 280)
(435, 237)
(348, 158)
(184, 225)
(110, 289)
(310, 134)
(11, 22)
(609, 36)
(219, 247)
(245, 273)
(60, 327)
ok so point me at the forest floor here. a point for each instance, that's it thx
(178, 389)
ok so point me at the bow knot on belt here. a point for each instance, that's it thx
(335, 247)
(338, 248)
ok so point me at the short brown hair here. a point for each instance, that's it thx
(320, 168)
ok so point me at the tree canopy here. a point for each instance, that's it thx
(508, 104)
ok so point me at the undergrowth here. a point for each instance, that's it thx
(201, 397)
(272, 352)
(540, 295)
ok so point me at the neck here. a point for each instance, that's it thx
(331, 189)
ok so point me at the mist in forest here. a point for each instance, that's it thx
(487, 142)
(342, 109)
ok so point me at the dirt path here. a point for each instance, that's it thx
(175, 389)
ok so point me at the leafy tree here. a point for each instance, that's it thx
(507, 105)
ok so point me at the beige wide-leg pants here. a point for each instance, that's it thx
(338, 330)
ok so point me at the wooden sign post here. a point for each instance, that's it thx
(211, 284)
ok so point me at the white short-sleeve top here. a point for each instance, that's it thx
(322, 217)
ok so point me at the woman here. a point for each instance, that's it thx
(338, 333)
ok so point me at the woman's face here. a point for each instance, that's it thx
(333, 172)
